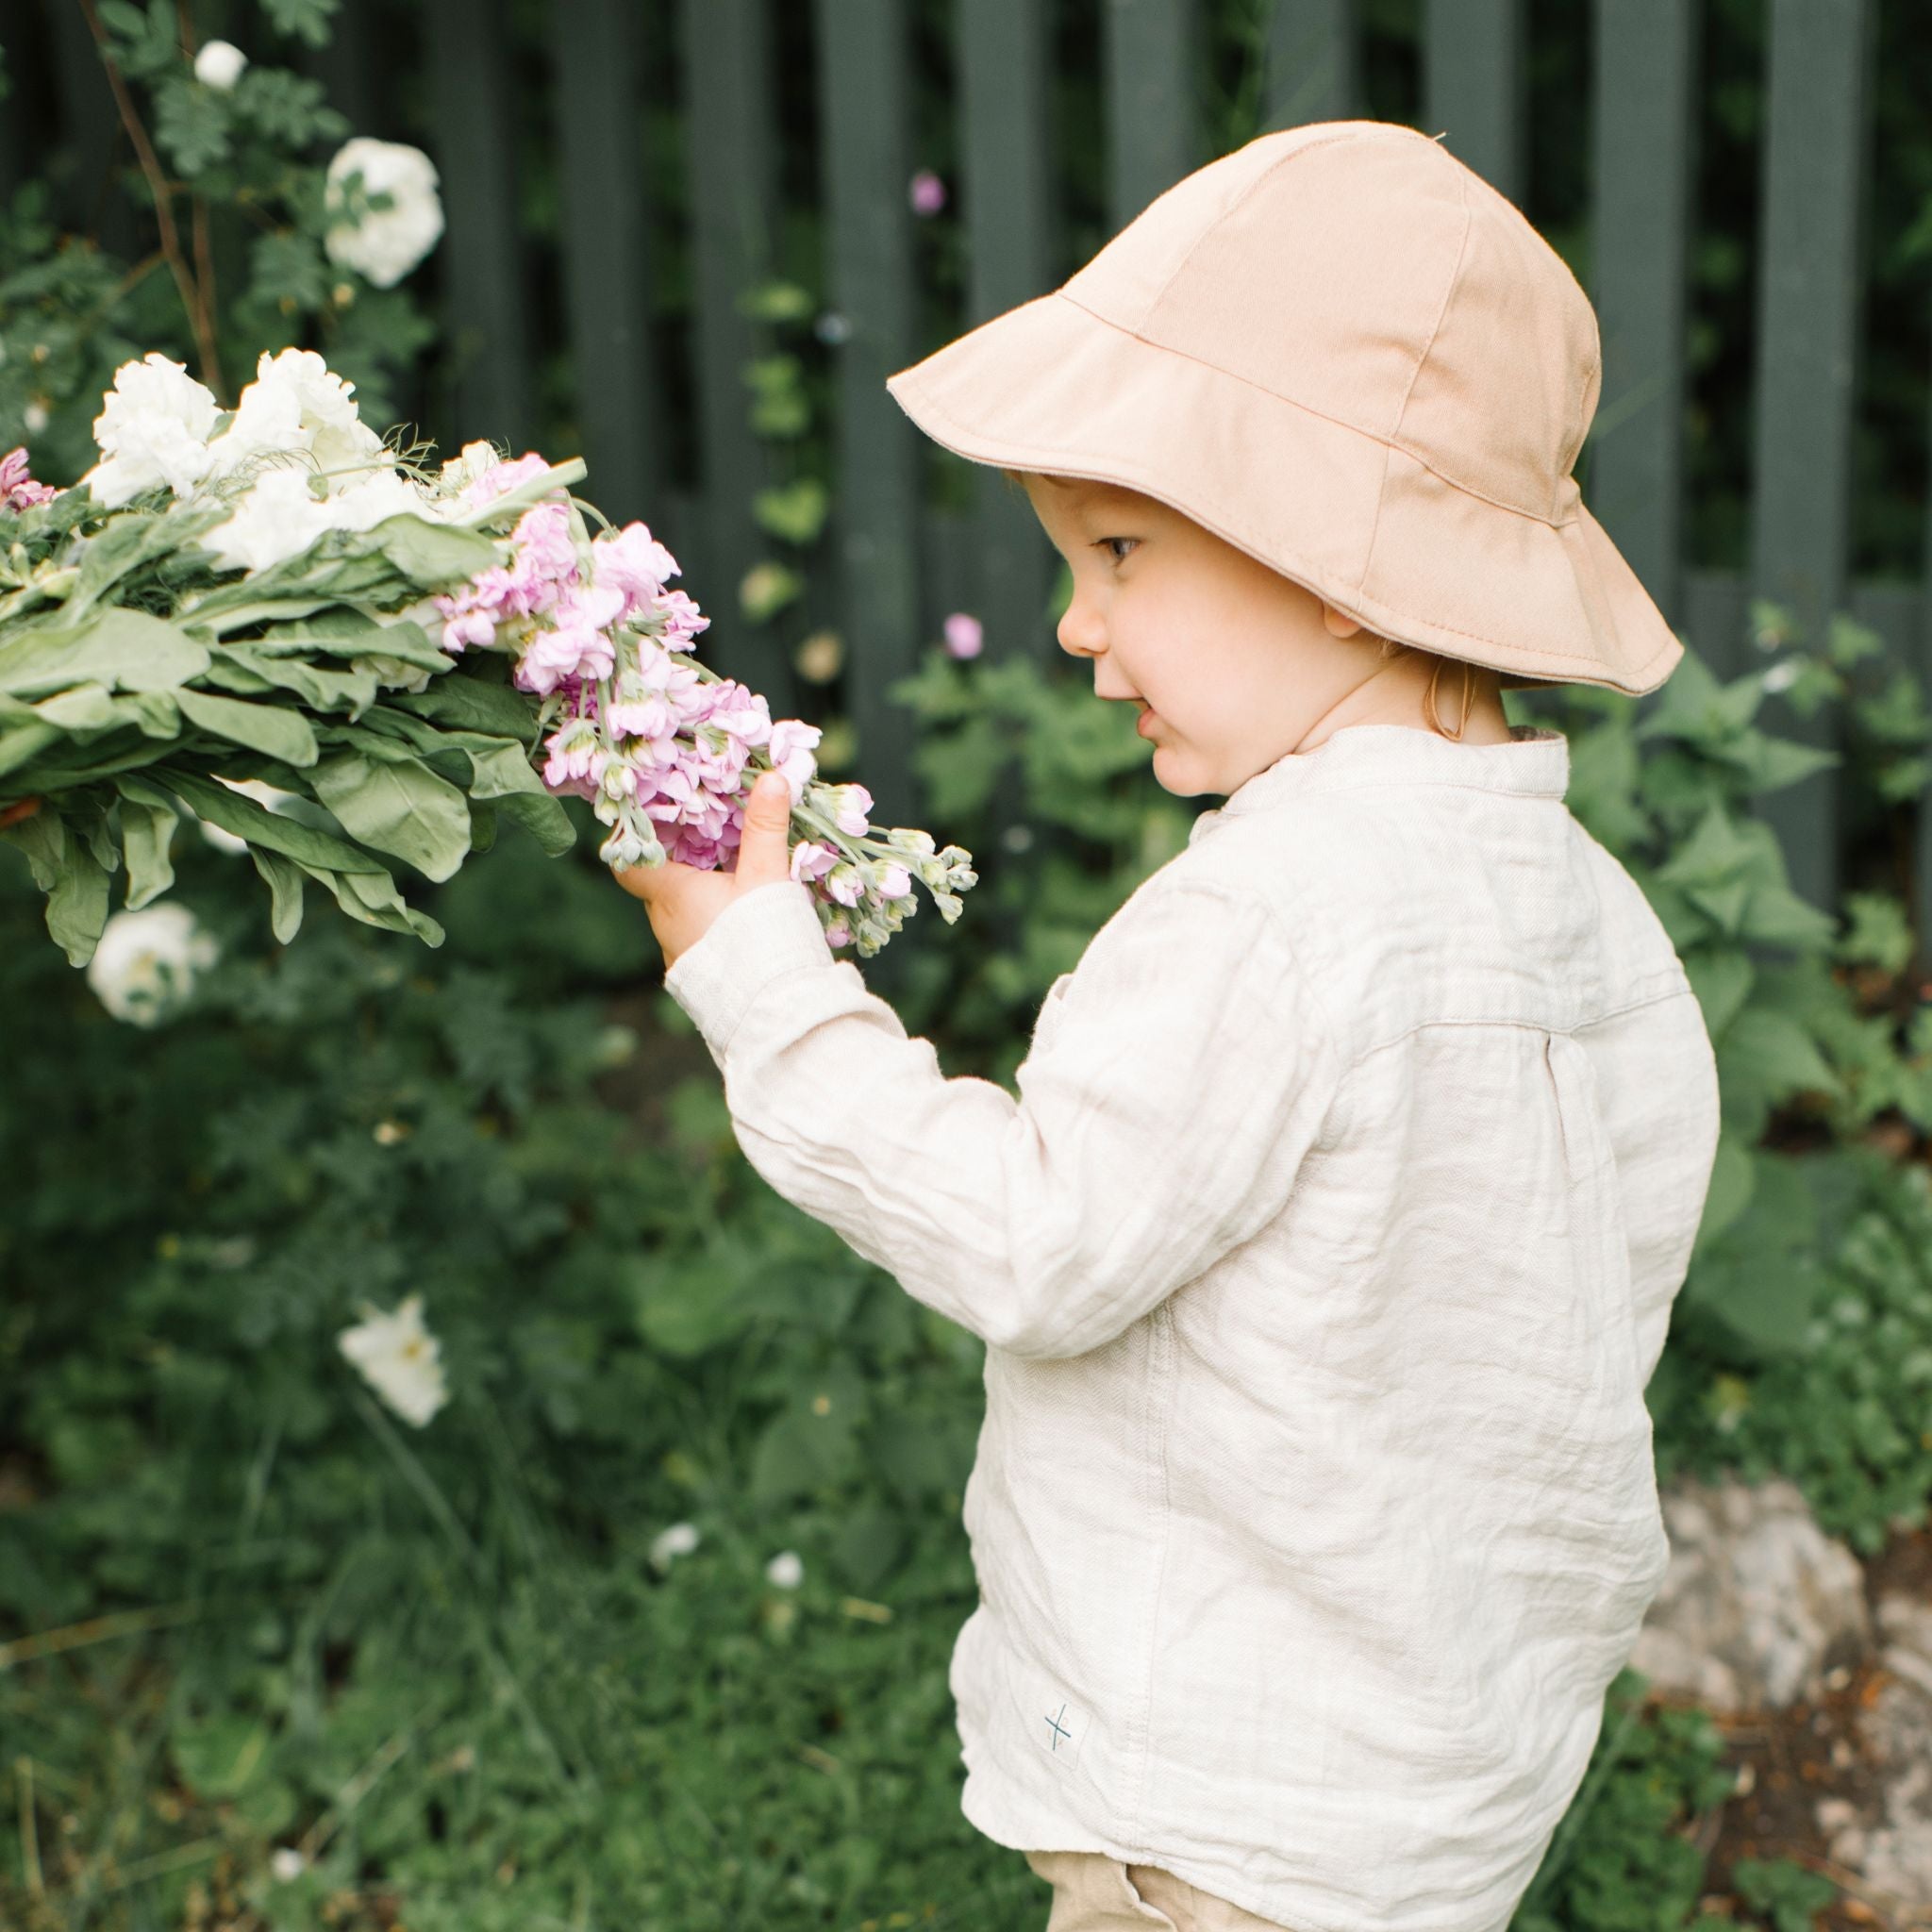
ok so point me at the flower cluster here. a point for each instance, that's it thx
(385, 213)
(665, 751)
(18, 491)
(666, 754)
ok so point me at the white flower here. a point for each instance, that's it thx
(1782, 677)
(287, 1863)
(680, 1540)
(218, 65)
(399, 1358)
(152, 429)
(297, 405)
(146, 961)
(386, 244)
(784, 1570)
(35, 417)
(372, 499)
(254, 788)
(278, 518)
(459, 472)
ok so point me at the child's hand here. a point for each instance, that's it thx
(682, 900)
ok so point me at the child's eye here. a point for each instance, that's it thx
(1102, 543)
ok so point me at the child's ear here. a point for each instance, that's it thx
(1340, 624)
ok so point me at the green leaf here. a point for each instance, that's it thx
(795, 512)
(373, 898)
(279, 731)
(307, 19)
(284, 876)
(473, 703)
(286, 262)
(400, 808)
(190, 122)
(543, 818)
(77, 906)
(321, 688)
(236, 812)
(147, 831)
(434, 557)
(125, 650)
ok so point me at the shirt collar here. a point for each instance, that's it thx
(1535, 762)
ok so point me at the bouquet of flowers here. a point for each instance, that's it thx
(271, 598)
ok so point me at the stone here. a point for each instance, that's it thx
(1757, 1604)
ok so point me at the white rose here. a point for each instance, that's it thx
(785, 1569)
(146, 961)
(368, 501)
(399, 1358)
(264, 795)
(296, 403)
(218, 65)
(277, 519)
(386, 244)
(152, 429)
(680, 1540)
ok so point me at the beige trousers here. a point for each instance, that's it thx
(1092, 1893)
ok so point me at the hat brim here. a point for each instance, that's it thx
(1050, 385)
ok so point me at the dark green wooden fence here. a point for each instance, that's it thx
(900, 564)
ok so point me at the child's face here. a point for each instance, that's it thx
(1237, 663)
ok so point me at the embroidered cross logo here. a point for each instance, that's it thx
(1059, 1730)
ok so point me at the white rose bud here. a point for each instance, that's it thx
(218, 65)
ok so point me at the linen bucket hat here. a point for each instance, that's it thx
(1340, 350)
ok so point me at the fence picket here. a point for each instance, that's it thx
(862, 104)
(1312, 66)
(1008, 196)
(489, 390)
(1644, 163)
(1153, 137)
(731, 169)
(1816, 91)
(1472, 86)
(604, 214)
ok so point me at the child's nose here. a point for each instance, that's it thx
(1079, 630)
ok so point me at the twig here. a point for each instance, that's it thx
(29, 1834)
(198, 316)
(203, 255)
(96, 1630)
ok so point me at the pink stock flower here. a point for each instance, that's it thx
(965, 635)
(812, 861)
(855, 801)
(681, 618)
(501, 479)
(634, 563)
(928, 192)
(18, 491)
(896, 882)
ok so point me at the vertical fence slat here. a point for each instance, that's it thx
(606, 234)
(1003, 67)
(862, 104)
(1643, 164)
(1816, 93)
(490, 393)
(93, 140)
(1312, 69)
(730, 165)
(1921, 661)
(1472, 86)
(1152, 138)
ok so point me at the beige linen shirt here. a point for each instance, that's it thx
(1322, 1262)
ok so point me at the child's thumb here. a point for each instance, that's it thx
(764, 846)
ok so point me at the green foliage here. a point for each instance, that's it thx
(1787, 1894)
(242, 174)
(1621, 1860)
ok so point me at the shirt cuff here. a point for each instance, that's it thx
(771, 930)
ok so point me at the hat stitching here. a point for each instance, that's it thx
(1408, 388)
(1377, 613)
(1275, 395)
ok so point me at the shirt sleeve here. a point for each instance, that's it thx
(1161, 1123)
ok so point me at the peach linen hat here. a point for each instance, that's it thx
(1340, 350)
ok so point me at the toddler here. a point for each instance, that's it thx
(1325, 1255)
